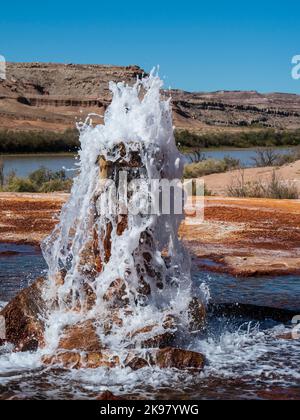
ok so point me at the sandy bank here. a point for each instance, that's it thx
(218, 183)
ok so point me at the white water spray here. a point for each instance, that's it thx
(87, 255)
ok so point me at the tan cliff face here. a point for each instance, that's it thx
(68, 80)
(238, 110)
(39, 96)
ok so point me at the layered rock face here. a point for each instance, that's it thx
(238, 110)
(65, 80)
(40, 96)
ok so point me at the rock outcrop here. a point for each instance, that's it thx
(167, 358)
(80, 346)
(24, 318)
(179, 359)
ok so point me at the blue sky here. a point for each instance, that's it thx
(199, 45)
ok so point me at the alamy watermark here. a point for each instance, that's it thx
(2, 68)
(296, 329)
(2, 328)
(142, 197)
(296, 67)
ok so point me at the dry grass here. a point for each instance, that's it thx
(274, 187)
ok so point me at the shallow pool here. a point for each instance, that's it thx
(245, 357)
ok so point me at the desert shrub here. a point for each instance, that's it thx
(270, 157)
(274, 187)
(207, 167)
(196, 191)
(207, 192)
(280, 189)
(56, 185)
(40, 176)
(196, 156)
(42, 180)
(16, 184)
(44, 175)
(290, 157)
(266, 157)
(210, 166)
(231, 163)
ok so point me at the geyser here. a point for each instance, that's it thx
(119, 289)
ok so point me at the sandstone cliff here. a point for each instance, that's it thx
(52, 96)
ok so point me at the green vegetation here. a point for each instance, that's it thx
(68, 141)
(256, 138)
(42, 180)
(210, 166)
(274, 188)
(38, 142)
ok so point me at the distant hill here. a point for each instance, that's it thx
(38, 96)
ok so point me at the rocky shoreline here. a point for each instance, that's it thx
(243, 237)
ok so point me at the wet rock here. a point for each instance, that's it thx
(128, 158)
(122, 224)
(90, 262)
(168, 357)
(88, 360)
(197, 315)
(116, 294)
(107, 242)
(96, 360)
(158, 340)
(24, 318)
(60, 278)
(287, 336)
(144, 330)
(81, 336)
(137, 363)
(164, 358)
(144, 288)
(90, 297)
(277, 393)
(179, 359)
(70, 360)
(108, 396)
(113, 319)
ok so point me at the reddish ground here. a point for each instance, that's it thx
(240, 236)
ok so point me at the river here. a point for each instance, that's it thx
(23, 165)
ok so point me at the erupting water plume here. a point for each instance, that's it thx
(119, 278)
